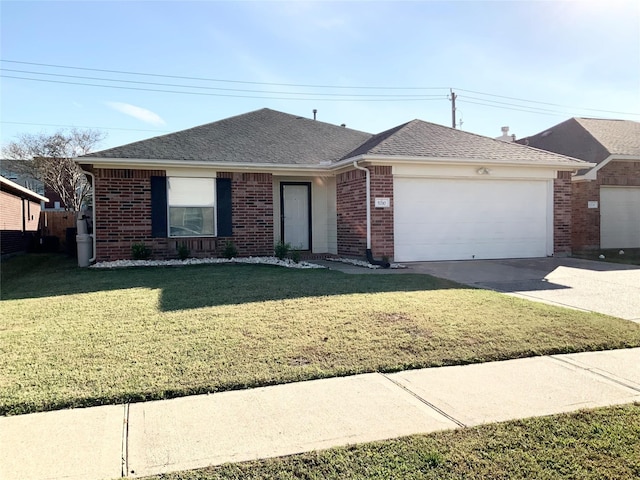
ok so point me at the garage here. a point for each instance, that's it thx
(620, 217)
(464, 219)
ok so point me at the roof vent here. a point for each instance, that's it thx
(343, 125)
(315, 111)
(505, 137)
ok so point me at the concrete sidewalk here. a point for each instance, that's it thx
(162, 436)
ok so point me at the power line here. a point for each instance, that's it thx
(412, 99)
(511, 104)
(216, 88)
(557, 114)
(124, 72)
(83, 126)
(544, 103)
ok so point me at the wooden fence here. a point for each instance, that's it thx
(55, 224)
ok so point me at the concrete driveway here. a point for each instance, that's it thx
(609, 288)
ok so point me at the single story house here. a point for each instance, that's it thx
(605, 197)
(19, 216)
(418, 191)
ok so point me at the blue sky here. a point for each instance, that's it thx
(574, 58)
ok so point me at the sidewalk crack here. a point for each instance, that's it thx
(425, 401)
(124, 471)
(593, 370)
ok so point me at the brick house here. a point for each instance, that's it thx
(606, 197)
(419, 191)
(19, 216)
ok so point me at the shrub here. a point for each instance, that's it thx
(282, 250)
(139, 251)
(230, 250)
(295, 256)
(183, 251)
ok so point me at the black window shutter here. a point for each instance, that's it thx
(159, 206)
(223, 202)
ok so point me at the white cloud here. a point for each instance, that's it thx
(140, 113)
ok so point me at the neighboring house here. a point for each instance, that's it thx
(605, 198)
(11, 170)
(435, 193)
(19, 216)
(505, 137)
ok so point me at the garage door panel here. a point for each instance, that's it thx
(620, 217)
(442, 219)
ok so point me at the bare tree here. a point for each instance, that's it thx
(49, 158)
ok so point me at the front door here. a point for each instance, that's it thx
(295, 208)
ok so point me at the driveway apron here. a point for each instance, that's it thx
(608, 288)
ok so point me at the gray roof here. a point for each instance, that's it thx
(262, 136)
(423, 139)
(270, 137)
(590, 139)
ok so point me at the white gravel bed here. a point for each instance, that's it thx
(204, 261)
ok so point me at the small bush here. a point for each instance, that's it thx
(282, 250)
(230, 250)
(139, 251)
(183, 251)
(295, 256)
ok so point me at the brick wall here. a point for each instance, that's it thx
(18, 222)
(586, 221)
(352, 213)
(123, 216)
(252, 213)
(562, 214)
(382, 218)
(123, 213)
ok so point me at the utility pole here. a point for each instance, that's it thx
(453, 108)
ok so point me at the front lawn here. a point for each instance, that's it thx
(598, 444)
(79, 337)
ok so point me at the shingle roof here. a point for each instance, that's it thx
(423, 139)
(619, 137)
(589, 139)
(270, 137)
(262, 136)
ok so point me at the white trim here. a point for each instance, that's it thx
(321, 169)
(218, 166)
(22, 189)
(593, 173)
(386, 159)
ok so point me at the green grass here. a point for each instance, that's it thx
(598, 444)
(77, 337)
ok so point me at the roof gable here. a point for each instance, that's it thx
(423, 139)
(589, 139)
(264, 136)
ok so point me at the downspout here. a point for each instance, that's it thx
(93, 213)
(370, 258)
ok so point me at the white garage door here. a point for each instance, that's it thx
(620, 217)
(442, 219)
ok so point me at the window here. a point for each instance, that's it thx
(191, 206)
